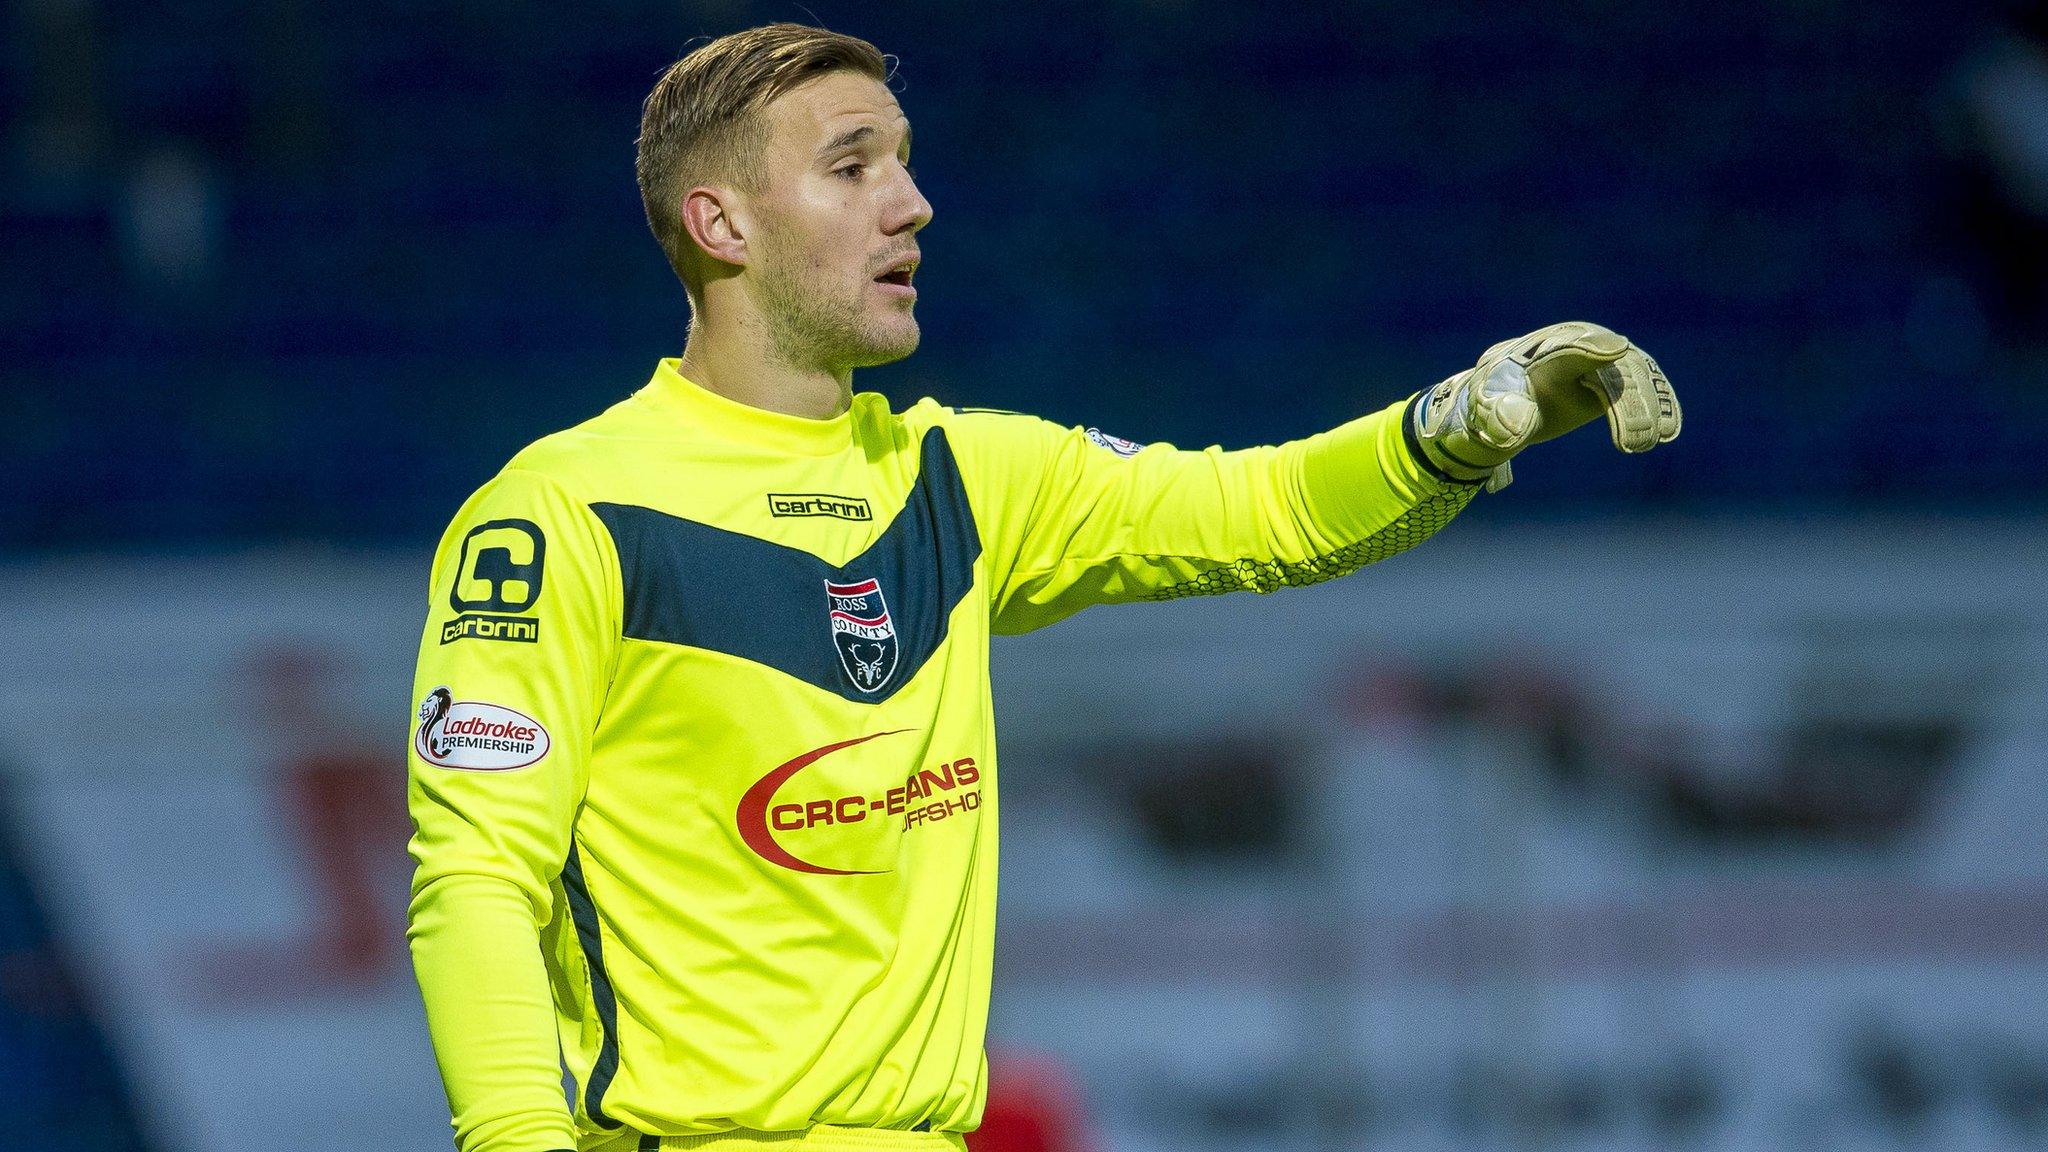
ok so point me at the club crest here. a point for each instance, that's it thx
(863, 632)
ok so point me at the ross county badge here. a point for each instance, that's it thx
(863, 632)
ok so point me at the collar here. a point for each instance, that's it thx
(701, 408)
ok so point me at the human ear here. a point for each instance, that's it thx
(709, 218)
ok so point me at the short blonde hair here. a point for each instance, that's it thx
(701, 123)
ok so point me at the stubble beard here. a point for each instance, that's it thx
(812, 327)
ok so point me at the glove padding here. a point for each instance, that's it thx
(1526, 390)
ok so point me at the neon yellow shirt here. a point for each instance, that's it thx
(704, 768)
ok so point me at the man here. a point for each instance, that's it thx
(704, 773)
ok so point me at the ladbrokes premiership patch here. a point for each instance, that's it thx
(1116, 444)
(474, 736)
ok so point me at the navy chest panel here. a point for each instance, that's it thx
(861, 629)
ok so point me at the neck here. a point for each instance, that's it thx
(739, 360)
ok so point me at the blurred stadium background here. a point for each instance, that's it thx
(1749, 855)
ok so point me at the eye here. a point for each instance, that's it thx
(850, 171)
(910, 172)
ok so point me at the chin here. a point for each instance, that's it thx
(888, 344)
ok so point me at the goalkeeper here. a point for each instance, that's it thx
(703, 772)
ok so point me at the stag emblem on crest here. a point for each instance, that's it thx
(862, 632)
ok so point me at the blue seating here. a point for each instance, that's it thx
(1199, 222)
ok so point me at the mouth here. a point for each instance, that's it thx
(899, 274)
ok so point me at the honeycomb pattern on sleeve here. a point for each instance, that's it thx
(1411, 528)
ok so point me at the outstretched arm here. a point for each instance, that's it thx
(1079, 518)
(1073, 518)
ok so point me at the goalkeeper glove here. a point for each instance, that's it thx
(1526, 390)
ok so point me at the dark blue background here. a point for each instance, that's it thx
(1192, 221)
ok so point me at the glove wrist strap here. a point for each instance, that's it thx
(1427, 446)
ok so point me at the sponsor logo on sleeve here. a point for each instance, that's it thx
(475, 736)
(818, 504)
(863, 632)
(1116, 444)
(497, 583)
(478, 626)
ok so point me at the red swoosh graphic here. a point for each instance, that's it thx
(753, 811)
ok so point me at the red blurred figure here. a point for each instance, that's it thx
(341, 794)
(1032, 1107)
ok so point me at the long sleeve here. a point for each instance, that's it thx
(1086, 519)
(520, 644)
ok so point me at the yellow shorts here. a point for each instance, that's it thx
(822, 1138)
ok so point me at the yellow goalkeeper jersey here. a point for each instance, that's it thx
(703, 772)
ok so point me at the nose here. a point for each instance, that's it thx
(911, 211)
